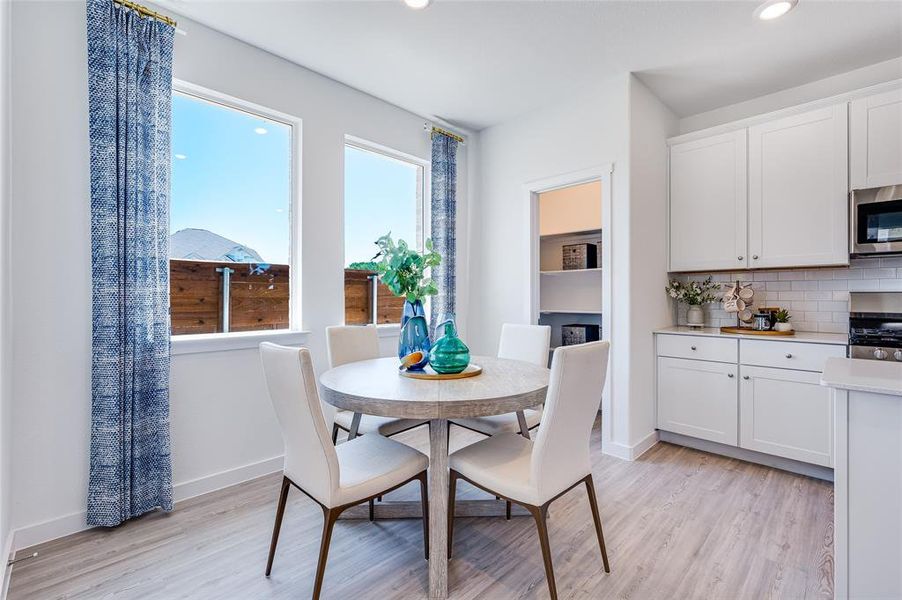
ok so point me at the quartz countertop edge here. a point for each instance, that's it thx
(809, 337)
(859, 375)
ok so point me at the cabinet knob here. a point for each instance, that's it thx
(745, 376)
(754, 257)
(788, 355)
(740, 257)
(692, 347)
(730, 375)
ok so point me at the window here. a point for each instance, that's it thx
(384, 192)
(230, 218)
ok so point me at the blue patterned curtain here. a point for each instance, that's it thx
(130, 105)
(444, 220)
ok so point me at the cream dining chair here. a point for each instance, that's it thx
(352, 343)
(528, 343)
(335, 477)
(535, 473)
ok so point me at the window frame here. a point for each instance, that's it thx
(424, 217)
(212, 342)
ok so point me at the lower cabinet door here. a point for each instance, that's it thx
(786, 413)
(698, 398)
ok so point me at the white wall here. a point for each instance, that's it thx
(651, 123)
(5, 338)
(824, 88)
(222, 425)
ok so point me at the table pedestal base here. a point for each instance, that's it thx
(410, 509)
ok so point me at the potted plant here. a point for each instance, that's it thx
(782, 318)
(403, 271)
(695, 294)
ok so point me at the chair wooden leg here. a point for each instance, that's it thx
(452, 492)
(372, 511)
(424, 501)
(330, 515)
(593, 503)
(507, 510)
(334, 434)
(280, 511)
(539, 513)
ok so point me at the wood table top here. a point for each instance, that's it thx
(375, 387)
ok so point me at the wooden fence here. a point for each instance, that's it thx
(258, 297)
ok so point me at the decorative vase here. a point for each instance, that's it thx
(414, 334)
(783, 326)
(449, 354)
(695, 317)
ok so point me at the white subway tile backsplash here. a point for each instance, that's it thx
(818, 299)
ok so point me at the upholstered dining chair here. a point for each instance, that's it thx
(528, 343)
(335, 477)
(531, 473)
(352, 343)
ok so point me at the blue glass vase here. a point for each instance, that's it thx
(414, 334)
(449, 354)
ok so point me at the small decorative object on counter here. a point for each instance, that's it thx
(579, 334)
(783, 317)
(449, 354)
(738, 299)
(695, 294)
(402, 270)
(772, 313)
(579, 256)
(762, 321)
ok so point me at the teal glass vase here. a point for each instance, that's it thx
(414, 334)
(449, 354)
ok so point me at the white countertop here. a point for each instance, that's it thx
(810, 337)
(859, 375)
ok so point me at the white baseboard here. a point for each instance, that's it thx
(52, 529)
(625, 452)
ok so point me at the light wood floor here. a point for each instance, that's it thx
(678, 524)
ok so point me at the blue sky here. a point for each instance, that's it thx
(232, 179)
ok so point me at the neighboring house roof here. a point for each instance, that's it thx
(200, 244)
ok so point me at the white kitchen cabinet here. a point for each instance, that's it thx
(698, 398)
(786, 413)
(798, 190)
(875, 140)
(708, 196)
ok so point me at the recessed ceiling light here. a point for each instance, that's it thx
(773, 9)
(260, 131)
(417, 4)
(181, 156)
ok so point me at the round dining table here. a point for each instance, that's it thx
(376, 387)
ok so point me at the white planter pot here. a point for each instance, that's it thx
(783, 326)
(695, 317)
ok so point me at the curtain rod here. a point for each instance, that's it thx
(143, 10)
(433, 130)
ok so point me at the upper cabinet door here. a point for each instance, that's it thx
(876, 140)
(798, 190)
(708, 195)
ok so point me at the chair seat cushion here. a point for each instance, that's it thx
(500, 463)
(506, 423)
(371, 464)
(372, 424)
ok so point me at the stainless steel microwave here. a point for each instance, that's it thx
(876, 223)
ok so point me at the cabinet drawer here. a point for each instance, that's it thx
(788, 355)
(697, 347)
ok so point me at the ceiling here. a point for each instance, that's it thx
(475, 63)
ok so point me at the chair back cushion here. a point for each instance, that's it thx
(351, 343)
(561, 453)
(529, 343)
(310, 458)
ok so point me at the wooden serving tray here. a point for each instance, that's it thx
(750, 331)
(472, 370)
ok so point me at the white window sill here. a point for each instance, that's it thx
(223, 342)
